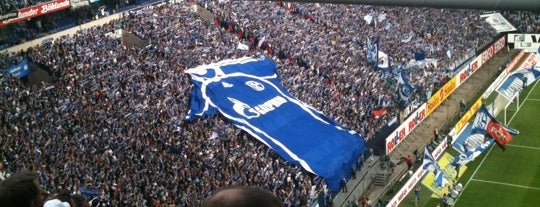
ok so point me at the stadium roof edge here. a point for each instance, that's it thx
(506, 5)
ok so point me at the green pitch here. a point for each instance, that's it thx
(503, 179)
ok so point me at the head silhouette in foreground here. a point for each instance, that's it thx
(242, 196)
(21, 190)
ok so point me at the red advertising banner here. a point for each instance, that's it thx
(38, 10)
(493, 49)
(405, 128)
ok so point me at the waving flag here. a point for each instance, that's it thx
(384, 62)
(248, 93)
(486, 123)
(371, 50)
(439, 178)
(242, 46)
(405, 89)
(430, 164)
(380, 111)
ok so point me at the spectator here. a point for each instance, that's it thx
(416, 195)
(409, 162)
(445, 200)
(343, 184)
(462, 107)
(3, 174)
(22, 189)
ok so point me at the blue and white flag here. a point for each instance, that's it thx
(384, 62)
(405, 89)
(20, 70)
(439, 178)
(248, 93)
(372, 50)
(431, 165)
(469, 155)
(517, 80)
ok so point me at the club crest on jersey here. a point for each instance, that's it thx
(255, 85)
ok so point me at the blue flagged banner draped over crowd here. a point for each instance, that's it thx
(20, 70)
(248, 93)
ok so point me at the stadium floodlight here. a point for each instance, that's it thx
(506, 5)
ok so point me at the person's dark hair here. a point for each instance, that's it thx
(242, 196)
(63, 195)
(21, 189)
(79, 200)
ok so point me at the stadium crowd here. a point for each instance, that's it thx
(525, 22)
(111, 123)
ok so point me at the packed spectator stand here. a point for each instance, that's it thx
(111, 123)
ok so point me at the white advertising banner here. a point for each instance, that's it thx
(526, 42)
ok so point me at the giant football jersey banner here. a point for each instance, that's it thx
(249, 94)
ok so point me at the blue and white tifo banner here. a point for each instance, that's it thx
(484, 126)
(516, 82)
(20, 70)
(248, 93)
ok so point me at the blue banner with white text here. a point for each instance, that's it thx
(248, 93)
(20, 70)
